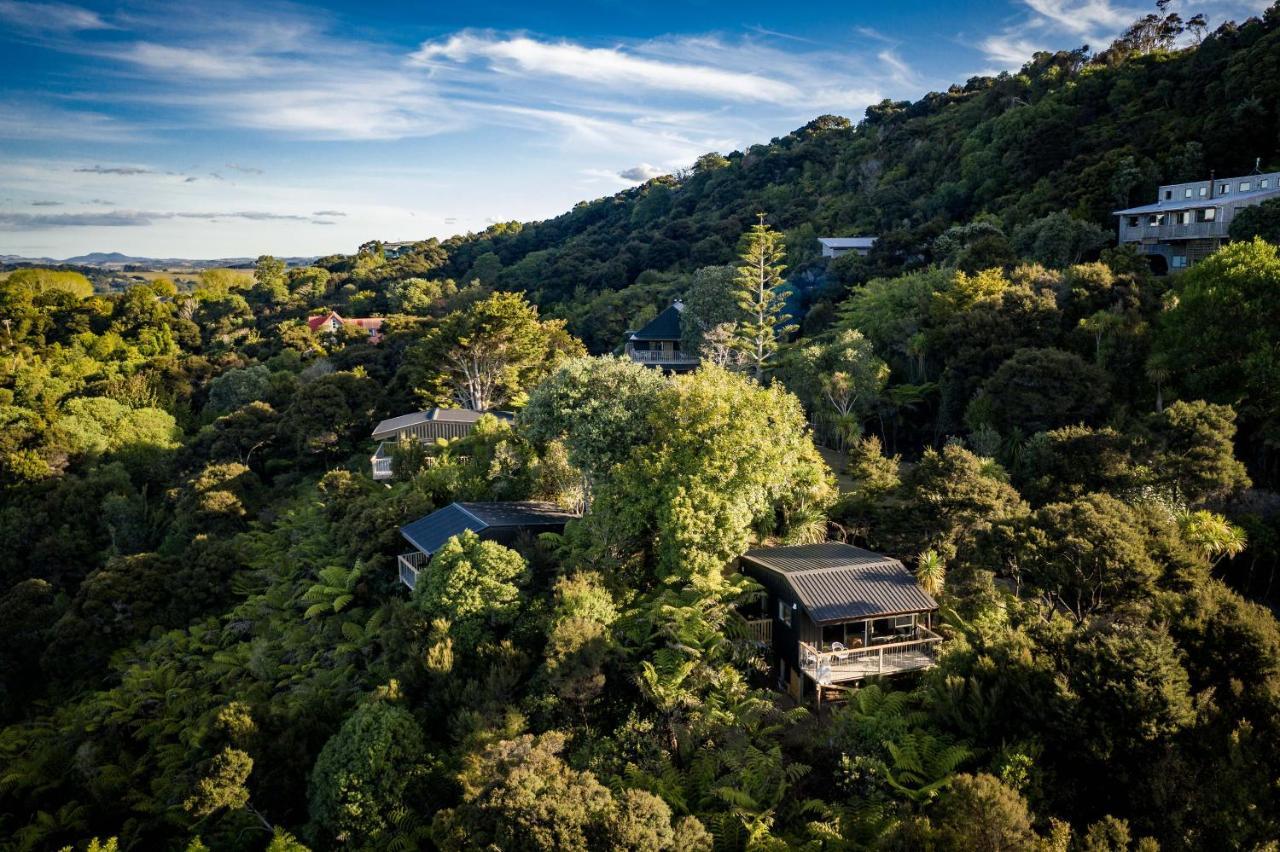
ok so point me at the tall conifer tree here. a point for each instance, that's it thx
(758, 279)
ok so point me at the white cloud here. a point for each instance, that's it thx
(194, 62)
(641, 173)
(604, 67)
(50, 17)
(34, 121)
(1009, 51)
(1083, 16)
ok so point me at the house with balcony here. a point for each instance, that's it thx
(834, 247)
(1189, 221)
(658, 343)
(425, 426)
(504, 523)
(333, 322)
(835, 614)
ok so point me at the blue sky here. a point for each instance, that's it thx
(217, 129)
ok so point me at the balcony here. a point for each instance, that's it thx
(410, 564)
(659, 356)
(760, 631)
(381, 461)
(911, 652)
(1171, 230)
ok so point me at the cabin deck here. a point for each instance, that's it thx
(920, 651)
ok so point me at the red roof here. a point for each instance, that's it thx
(371, 324)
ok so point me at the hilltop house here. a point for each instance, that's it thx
(658, 343)
(500, 522)
(835, 613)
(393, 250)
(333, 322)
(837, 246)
(426, 426)
(1189, 221)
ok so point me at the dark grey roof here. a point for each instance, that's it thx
(838, 582)
(393, 425)
(429, 533)
(665, 326)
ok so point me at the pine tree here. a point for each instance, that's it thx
(757, 281)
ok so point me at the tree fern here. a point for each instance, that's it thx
(335, 590)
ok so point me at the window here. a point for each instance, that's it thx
(1168, 193)
(1186, 193)
(1204, 190)
(1178, 262)
(784, 612)
(1187, 217)
(1224, 188)
(1244, 186)
(1133, 221)
(1155, 219)
(1206, 214)
(1264, 183)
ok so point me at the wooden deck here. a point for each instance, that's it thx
(829, 667)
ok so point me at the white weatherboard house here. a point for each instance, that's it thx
(836, 246)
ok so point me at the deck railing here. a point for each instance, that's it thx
(918, 651)
(1173, 230)
(658, 356)
(381, 461)
(760, 630)
(410, 565)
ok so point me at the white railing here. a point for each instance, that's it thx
(658, 356)
(760, 630)
(919, 651)
(381, 461)
(410, 565)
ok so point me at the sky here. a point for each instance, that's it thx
(230, 129)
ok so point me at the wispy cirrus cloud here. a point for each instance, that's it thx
(125, 171)
(1084, 16)
(50, 17)
(603, 67)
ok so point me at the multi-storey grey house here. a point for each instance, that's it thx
(1189, 221)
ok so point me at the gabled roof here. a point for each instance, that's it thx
(665, 326)
(847, 242)
(837, 582)
(362, 322)
(428, 534)
(392, 425)
(315, 322)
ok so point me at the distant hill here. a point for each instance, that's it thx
(1071, 131)
(115, 260)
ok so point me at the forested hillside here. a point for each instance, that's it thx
(204, 643)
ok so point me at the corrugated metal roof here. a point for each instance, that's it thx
(839, 582)
(393, 425)
(665, 326)
(429, 533)
(1175, 204)
(847, 242)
